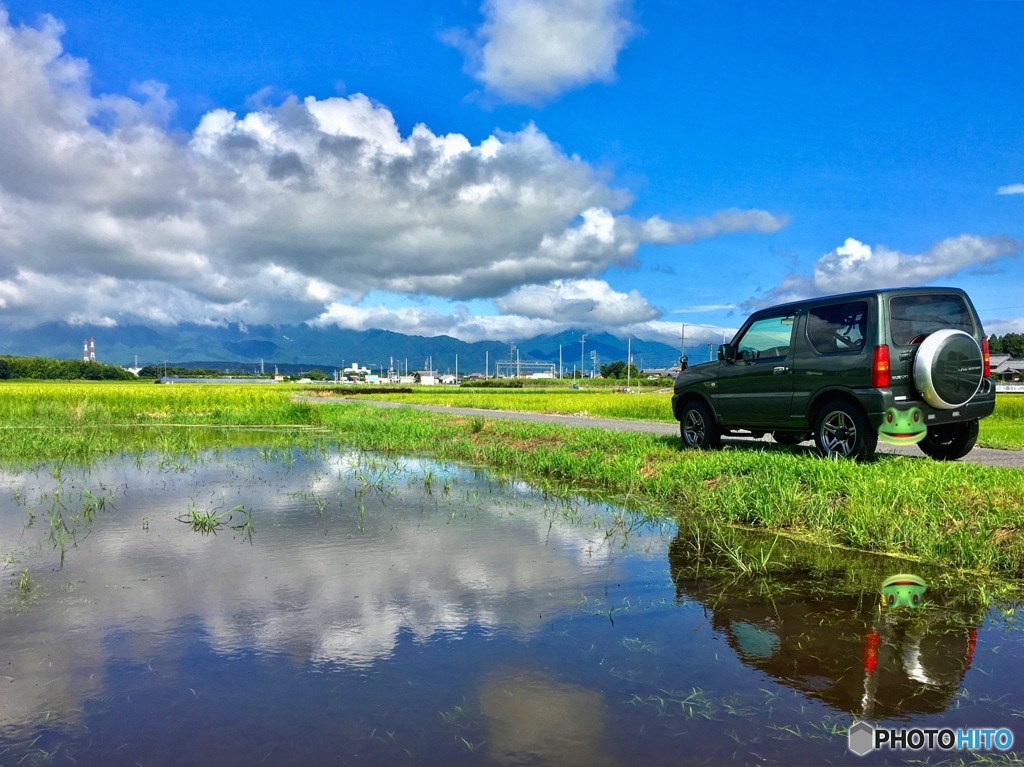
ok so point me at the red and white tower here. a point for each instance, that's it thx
(85, 351)
(92, 350)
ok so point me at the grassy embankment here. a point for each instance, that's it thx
(956, 515)
(1004, 429)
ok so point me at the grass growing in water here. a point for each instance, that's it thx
(25, 584)
(206, 522)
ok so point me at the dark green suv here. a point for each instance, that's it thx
(907, 366)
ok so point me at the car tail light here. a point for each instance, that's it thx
(880, 367)
(986, 359)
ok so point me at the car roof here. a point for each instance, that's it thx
(856, 295)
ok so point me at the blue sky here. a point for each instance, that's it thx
(605, 164)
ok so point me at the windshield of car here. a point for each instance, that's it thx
(913, 317)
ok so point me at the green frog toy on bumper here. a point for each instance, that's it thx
(902, 427)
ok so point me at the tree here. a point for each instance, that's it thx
(617, 369)
(1013, 344)
(5, 370)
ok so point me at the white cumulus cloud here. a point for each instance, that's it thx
(529, 311)
(587, 303)
(1011, 189)
(857, 266)
(284, 213)
(530, 51)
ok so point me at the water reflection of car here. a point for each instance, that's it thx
(843, 649)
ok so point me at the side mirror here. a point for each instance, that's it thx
(726, 353)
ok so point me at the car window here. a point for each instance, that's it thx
(767, 338)
(913, 317)
(838, 328)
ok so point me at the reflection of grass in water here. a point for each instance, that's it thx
(319, 504)
(635, 644)
(717, 552)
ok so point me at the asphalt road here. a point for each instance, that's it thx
(1013, 459)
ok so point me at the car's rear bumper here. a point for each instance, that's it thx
(876, 401)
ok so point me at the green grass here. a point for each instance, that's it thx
(953, 514)
(1005, 427)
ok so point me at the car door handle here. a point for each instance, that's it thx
(780, 370)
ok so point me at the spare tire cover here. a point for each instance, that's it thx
(948, 369)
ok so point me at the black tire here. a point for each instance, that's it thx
(698, 428)
(841, 429)
(950, 441)
(788, 438)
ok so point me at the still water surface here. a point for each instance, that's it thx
(352, 609)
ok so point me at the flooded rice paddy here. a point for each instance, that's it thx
(254, 607)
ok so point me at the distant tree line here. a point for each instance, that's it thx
(1011, 343)
(158, 371)
(493, 383)
(43, 368)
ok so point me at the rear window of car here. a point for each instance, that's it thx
(838, 328)
(914, 317)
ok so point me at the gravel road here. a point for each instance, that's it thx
(1013, 459)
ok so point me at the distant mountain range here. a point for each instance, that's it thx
(301, 347)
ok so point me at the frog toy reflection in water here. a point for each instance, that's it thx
(902, 427)
(900, 633)
(903, 590)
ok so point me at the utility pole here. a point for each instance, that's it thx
(629, 360)
(518, 370)
(559, 362)
(583, 364)
(487, 364)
